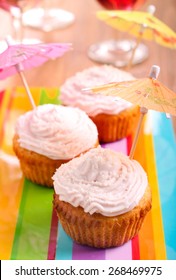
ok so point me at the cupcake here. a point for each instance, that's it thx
(114, 117)
(51, 135)
(101, 198)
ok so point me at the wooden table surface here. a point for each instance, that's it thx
(86, 30)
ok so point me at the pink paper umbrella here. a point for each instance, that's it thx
(19, 57)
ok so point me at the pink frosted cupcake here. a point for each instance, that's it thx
(114, 117)
(101, 198)
(51, 135)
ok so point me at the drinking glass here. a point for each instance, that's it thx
(48, 18)
(118, 52)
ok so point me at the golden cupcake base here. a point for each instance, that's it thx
(37, 168)
(97, 230)
(115, 127)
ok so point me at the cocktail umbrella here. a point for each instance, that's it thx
(142, 25)
(19, 57)
(148, 93)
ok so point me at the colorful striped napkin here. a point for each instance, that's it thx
(29, 228)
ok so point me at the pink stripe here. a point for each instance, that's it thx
(53, 236)
(123, 252)
(118, 146)
(135, 248)
(120, 253)
(87, 253)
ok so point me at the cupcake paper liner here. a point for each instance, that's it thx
(115, 127)
(97, 230)
(37, 168)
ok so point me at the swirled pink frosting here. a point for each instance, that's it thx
(56, 131)
(101, 181)
(73, 95)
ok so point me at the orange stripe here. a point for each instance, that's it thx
(151, 236)
(11, 185)
(20, 105)
(9, 188)
(146, 238)
(158, 231)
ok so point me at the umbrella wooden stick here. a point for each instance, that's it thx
(154, 72)
(22, 76)
(143, 111)
(20, 69)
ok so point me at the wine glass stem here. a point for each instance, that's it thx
(17, 19)
(14, 24)
(137, 42)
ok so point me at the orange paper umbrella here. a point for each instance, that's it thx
(148, 93)
(142, 25)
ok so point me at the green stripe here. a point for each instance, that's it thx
(33, 227)
(44, 99)
(34, 219)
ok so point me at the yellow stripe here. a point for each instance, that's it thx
(11, 192)
(20, 105)
(21, 101)
(151, 235)
(158, 232)
(6, 205)
(11, 185)
(146, 238)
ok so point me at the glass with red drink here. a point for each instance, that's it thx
(121, 4)
(118, 52)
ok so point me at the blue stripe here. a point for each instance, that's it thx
(165, 152)
(64, 245)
